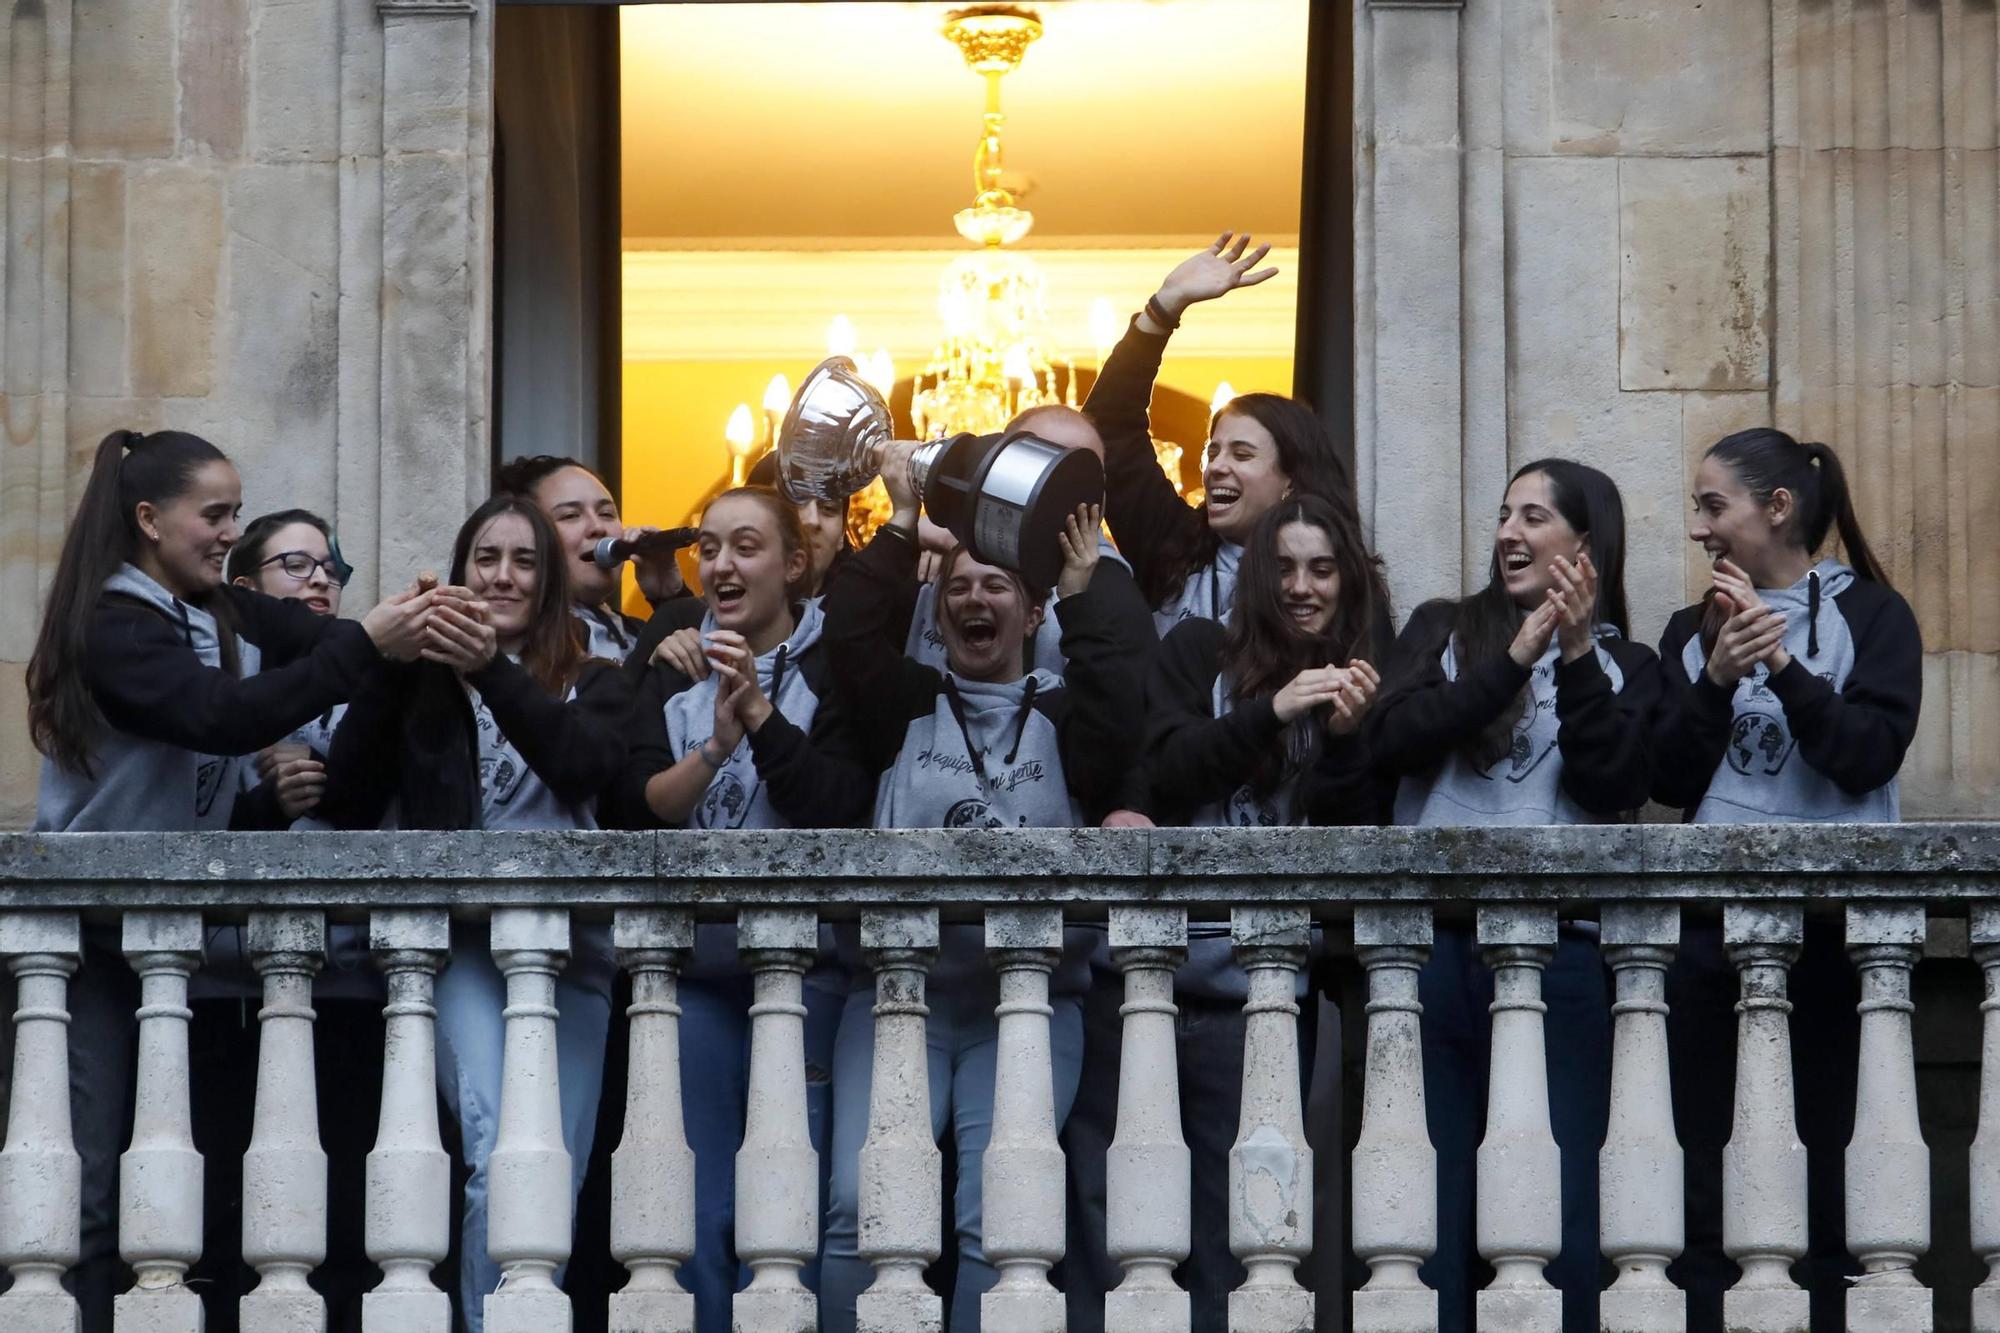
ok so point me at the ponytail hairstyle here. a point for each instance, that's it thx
(63, 719)
(1307, 457)
(1483, 625)
(1262, 649)
(553, 651)
(247, 556)
(791, 529)
(1767, 460)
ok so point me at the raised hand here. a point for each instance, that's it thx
(1222, 268)
(1576, 627)
(1079, 549)
(892, 459)
(1532, 639)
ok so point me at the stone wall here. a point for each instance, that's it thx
(1618, 232)
(262, 220)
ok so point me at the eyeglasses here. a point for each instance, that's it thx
(299, 566)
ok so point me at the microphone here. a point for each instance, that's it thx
(614, 551)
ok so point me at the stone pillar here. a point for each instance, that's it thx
(1520, 1168)
(1409, 429)
(777, 1171)
(528, 1177)
(409, 1175)
(284, 1171)
(1149, 1208)
(1641, 1197)
(159, 1176)
(1270, 1166)
(902, 1172)
(1023, 1179)
(1395, 1167)
(41, 1176)
(652, 1171)
(1985, 1156)
(1764, 1164)
(1888, 1166)
(436, 270)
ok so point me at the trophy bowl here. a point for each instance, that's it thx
(827, 443)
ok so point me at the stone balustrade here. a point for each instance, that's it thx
(1372, 895)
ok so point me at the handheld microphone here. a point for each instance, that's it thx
(614, 551)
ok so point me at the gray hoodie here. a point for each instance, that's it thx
(1208, 593)
(142, 784)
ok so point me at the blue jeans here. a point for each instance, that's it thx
(1456, 988)
(715, 1082)
(962, 1041)
(471, 1039)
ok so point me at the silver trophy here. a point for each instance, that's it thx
(1003, 496)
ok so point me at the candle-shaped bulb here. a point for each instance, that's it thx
(1016, 366)
(880, 371)
(1223, 393)
(1105, 326)
(778, 396)
(840, 339)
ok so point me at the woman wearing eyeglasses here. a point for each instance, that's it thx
(291, 554)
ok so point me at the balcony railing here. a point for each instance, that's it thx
(1378, 892)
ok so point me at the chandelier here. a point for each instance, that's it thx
(996, 358)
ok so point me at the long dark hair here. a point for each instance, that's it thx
(1767, 460)
(1306, 455)
(553, 650)
(248, 554)
(1262, 649)
(1484, 624)
(130, 467)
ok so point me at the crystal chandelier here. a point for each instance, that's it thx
(996, 359)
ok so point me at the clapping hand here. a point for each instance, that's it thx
(740, 703)
(1575, 599)
(1537, 628)
(1753, 632)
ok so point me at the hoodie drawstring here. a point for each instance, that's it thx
(973, 752)
(1021, 719)
(778, 673)
(1812, 614)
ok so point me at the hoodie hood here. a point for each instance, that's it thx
(736, 797)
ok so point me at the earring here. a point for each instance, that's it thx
(152, 536)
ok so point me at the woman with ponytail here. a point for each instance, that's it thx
(152, 686)
(1791, 695)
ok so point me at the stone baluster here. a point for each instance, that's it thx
(408, 1226)
(1024, 1176)
(1640, 1188)
(652, 1171)
(1520, 1168)
(1764, 1164)
(902, 1172)
(1395, 1167)
(41, 1176)
(1148, 1198)
(1270, 1166)
(159, 1176)
(284, 1171)
(1985, 1156)
(528, 1176)
(777, 1171)
(1888, 1166)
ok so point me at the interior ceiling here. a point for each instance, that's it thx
(1130, 121)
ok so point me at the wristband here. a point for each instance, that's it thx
(1158, 314)
(710, 759)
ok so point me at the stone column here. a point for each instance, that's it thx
(1395, 1167)
(284, 1171)
(1888, 1166)
(1764, 1164)
(1149, 1207)
(436, 270)
(777, 1171)
(41, 1176)
(1270, 1166)
(1023, 1179)
(652, 1171)
(1641, 1196)
(1520, 1167)
(409, 1175)
(159, 1176)
(528, 1177)
(1409, 362)
(1985, 1156)
(902, 1172)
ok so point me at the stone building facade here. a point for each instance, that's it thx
(1611, 231)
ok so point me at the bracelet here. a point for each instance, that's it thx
(1158, 313)
(710, 759)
